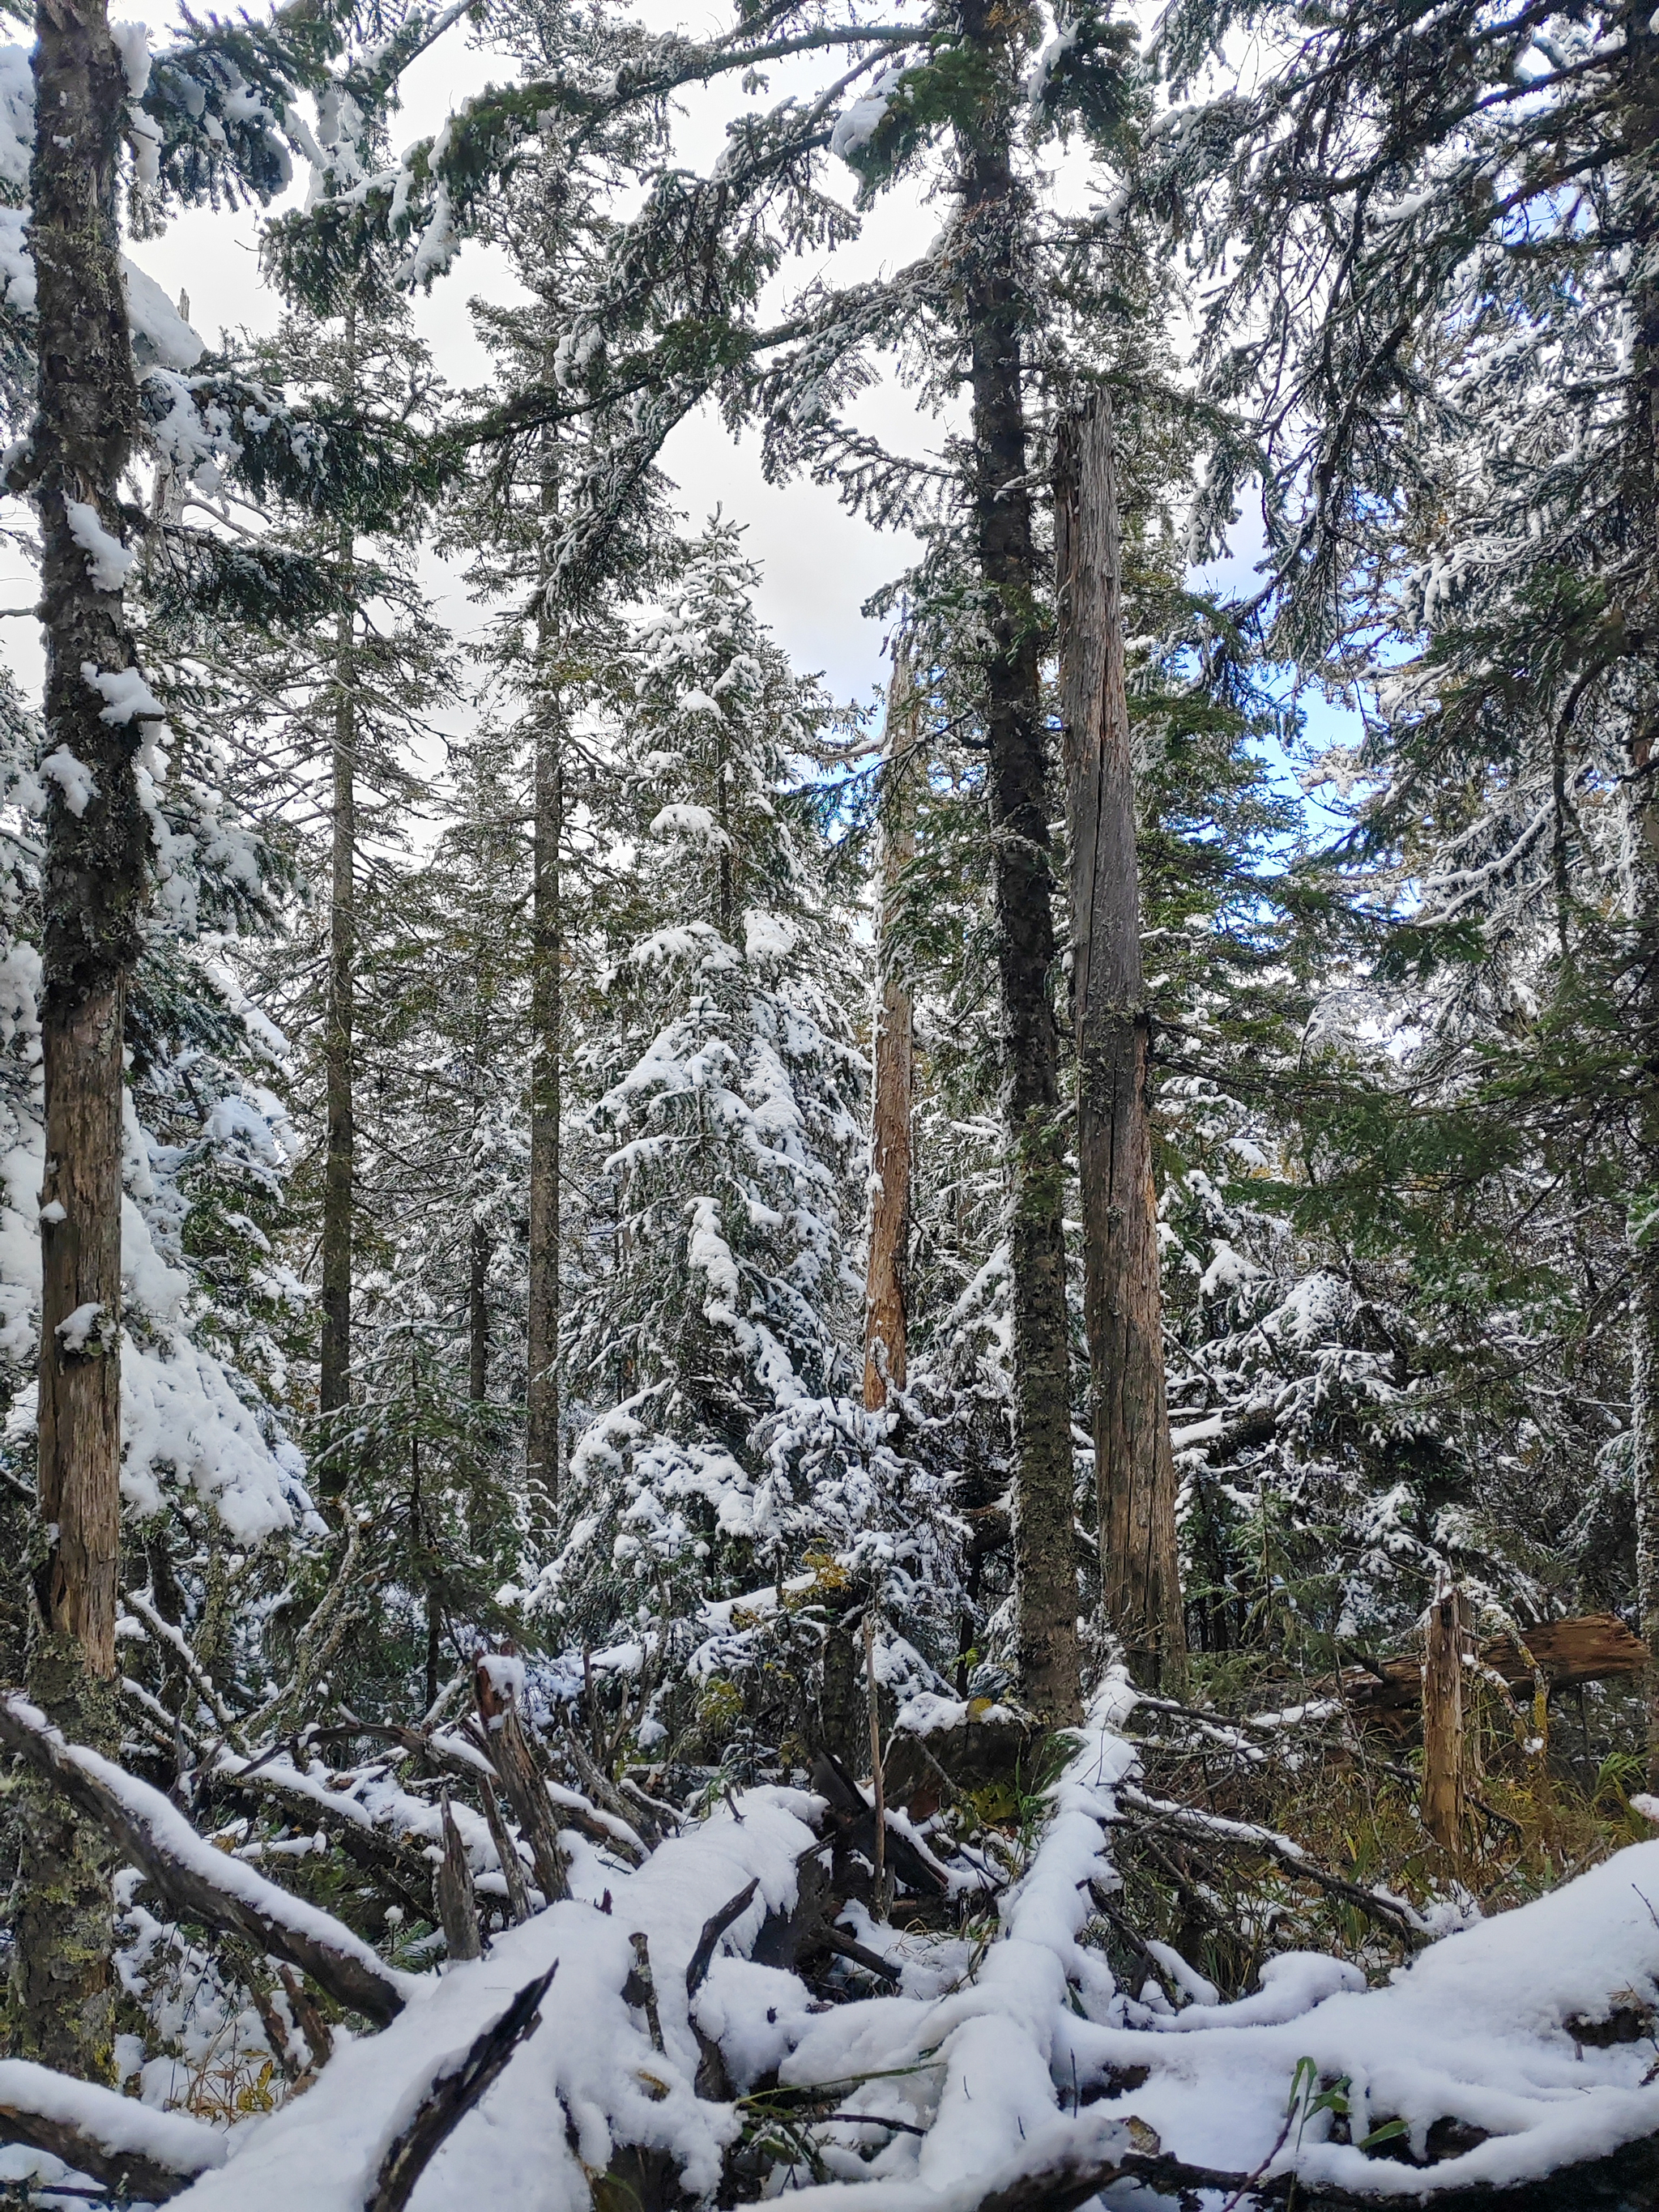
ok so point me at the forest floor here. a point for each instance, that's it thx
(1171, 1958)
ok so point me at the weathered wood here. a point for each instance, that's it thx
(1594, 1647)
(713, 1928)
(892, 1088)
(1444, 1644)
(641, 1987)
(522, 1782)
(853, 1821)
(507, 1852)
(1134, 1466)
(453, 2095)
(452, 1883)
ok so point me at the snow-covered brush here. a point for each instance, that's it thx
(681, 2053)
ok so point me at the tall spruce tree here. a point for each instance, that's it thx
(716, 1291)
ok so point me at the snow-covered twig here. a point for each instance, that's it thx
(1391, 1912)
(178, 1643)
(198, 1883)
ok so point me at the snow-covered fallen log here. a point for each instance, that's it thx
(199, 1883)
(1063, 2165)
(115, 2140)
(588, 2083)
(1493, 2049)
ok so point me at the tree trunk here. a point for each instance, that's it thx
(989, 222)
(1642, 1236)
(885, 1306)
(1123, 1307)
(477, 1315)
(94, 893)
(334, 1389)
(1443, 1721)
(546, 1042)
(1641, 798)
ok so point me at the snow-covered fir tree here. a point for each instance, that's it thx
(717, 1290)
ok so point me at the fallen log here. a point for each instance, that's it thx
(1594, 1647)
(1075, 2161)
(853, 1827)
(134, 2152)
(198, 1883)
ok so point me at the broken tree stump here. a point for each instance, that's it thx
(1446, 1640)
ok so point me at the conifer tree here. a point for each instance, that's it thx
(81, 301)
(1425, 258)
(717, 1287)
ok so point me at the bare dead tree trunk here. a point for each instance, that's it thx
(989, 225)
(1443, 1721)
(546, 1031)
(1134, 1466)
(95, 894)
(892, 1090)
(334, 1381)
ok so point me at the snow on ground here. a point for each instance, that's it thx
(592, 2055)
(994, 2060)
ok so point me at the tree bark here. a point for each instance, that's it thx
(1641, 797)
(1443, 1721)
(95, 889)
(991, 218)
(477, 1315)
(546, 1024)
(334, 1388)
(451, 1888)
(1122, 1306)
(886, 1303)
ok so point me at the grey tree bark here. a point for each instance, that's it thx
(892, 1090)
(1134, 1466)
(989, 226)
